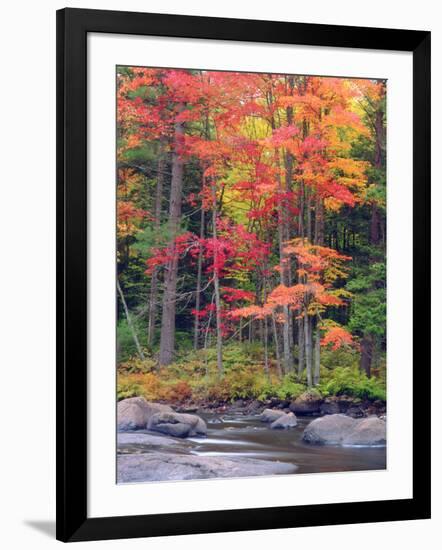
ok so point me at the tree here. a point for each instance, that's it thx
(369, 311)
(243, 193)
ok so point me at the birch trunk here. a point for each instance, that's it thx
(129, 322)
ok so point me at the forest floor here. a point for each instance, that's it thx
(193, 383)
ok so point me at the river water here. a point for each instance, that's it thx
(247, 436)
(236, 435)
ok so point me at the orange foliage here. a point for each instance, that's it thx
(337, 337)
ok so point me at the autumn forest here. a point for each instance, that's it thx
(251, 236)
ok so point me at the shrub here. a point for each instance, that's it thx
(287, 388)
(350, 381)
(342, 357)
(135, 365)
(125, 343)
(176, 392)
(195, 377)
(128, 389)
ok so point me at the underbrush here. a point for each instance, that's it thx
(350, 381)
(194, 377)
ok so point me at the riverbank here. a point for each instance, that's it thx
(301, 406)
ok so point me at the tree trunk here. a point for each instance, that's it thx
(319, 222)
(309, 215)
(206, 335)
(152, 306)
(317, 371)
(374, 224)
(129, 322)
(301, 347)
(288, 357)
(301, 209)
(167, 343)
(308, 347)
(266, 330)
(366, 355)
(198, 284)
(153, 299)
(379, 128)
(277, 351)
(219, 339)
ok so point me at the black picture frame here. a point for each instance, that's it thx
(73, 25)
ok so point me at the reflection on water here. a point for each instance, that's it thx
(246, 436)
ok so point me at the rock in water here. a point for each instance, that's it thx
(167, 467)
(369, 431)
(329, 429)
(307, 403)
(284, 422)
(177, 425)
(339, 429)
(134, 413)
(270, 415)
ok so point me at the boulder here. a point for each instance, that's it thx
(340, 429)
(134, 413)
(177, 424)
(307, 403)
(330, 429)
(369, 431)
(270, 415)
(284, 422)
(167, 467)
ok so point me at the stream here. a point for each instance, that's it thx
(236, 435)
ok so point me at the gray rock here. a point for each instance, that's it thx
(339, 429)
(284, 422)
(369, 431)
(270, 415)
(177, 425)
(150, 440)
(161, 467)
(134, 413)
(330, 429)
(307, 403)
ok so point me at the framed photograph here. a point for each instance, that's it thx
(243, 274)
